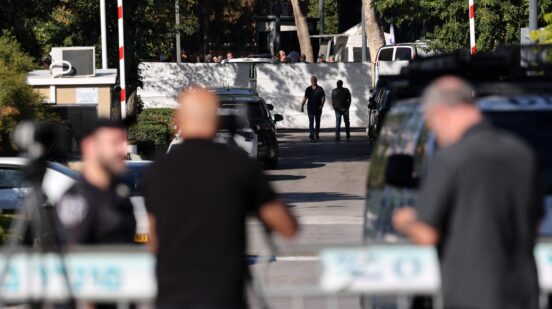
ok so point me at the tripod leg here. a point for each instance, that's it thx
(18, 228)
(51, 242)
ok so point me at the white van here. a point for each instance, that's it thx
(392, 58)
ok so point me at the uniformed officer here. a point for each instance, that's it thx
(97, 208)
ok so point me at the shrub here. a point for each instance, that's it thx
(153, 131)
(18, 101)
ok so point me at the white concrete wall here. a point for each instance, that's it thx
(284, 87)
(163, 81)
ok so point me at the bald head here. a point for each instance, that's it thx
(196, 116)
(450, 91)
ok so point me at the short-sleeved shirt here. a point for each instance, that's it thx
(314, 97)
(91, 215)
(200, 194)
(483, 195)
(341, 99)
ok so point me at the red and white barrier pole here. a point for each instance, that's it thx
(122, 57)
(472, 28)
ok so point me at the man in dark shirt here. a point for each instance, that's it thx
(97, 208)
(341, 102)
(197, 198)
(480, 204)
(316, 97)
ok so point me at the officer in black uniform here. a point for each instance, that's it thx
(97, 208)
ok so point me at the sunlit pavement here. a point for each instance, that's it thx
(324, 183)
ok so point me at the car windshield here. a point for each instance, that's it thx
(134, 176)
(11, 178)
(255, 110)
(232, 123)
(535, 127)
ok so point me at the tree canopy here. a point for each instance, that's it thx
(445, 23)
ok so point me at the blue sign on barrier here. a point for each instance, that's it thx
(93, 276)
(381, 269)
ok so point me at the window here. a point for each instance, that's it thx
(386, 54)
(535, 127)
(255, 110)
(11, 178)
(403, 53)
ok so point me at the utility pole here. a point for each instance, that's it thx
(104, 34)
(177, 22)
(321, 10)
(277, 25)
(533, 14)
(364, 42)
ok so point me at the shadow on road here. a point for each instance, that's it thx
(312, 197)
(280, 177)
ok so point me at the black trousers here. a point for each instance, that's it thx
(314, 122)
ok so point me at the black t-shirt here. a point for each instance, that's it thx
(341, 99)
(314, 97)
(483, 195)
(91, 215)
(200, 194)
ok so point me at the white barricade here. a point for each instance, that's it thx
(94, 276)
(107, 274)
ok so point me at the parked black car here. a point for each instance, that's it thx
(260, 118)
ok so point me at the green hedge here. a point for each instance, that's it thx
(153, 131)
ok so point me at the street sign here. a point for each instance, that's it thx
(94, 276)
(393, 269)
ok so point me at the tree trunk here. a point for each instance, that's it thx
(302, 31)
(374, 34)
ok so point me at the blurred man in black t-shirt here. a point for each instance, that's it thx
(316, 97)
(197, 198)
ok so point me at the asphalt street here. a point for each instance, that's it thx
(323, 183)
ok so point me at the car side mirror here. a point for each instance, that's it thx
(278, 117)
(372, 102)
(270, 107)
(400, 171)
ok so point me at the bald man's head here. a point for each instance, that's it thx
(196, 116)
(450, 108)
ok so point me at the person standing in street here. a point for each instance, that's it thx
(480, 204)
(316, 97)
(198, 197)
(97, 208)
(341, 102)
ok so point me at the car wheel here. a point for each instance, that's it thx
(272, 162)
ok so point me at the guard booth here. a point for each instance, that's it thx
(75, 89)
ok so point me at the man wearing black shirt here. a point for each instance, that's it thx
(480, 204)
(341, 102)
(198, 197)
(97, 208)
(316, 97)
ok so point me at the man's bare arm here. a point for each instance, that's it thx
(406, 222)
(152, 240)
(277, 217)
(303, 103)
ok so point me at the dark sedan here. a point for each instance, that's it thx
(262, 122)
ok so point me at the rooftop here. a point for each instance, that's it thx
(44, 78)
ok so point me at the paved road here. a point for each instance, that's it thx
(324, 184)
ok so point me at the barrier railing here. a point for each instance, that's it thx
(126, 275)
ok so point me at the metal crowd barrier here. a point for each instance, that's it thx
(124, 275)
